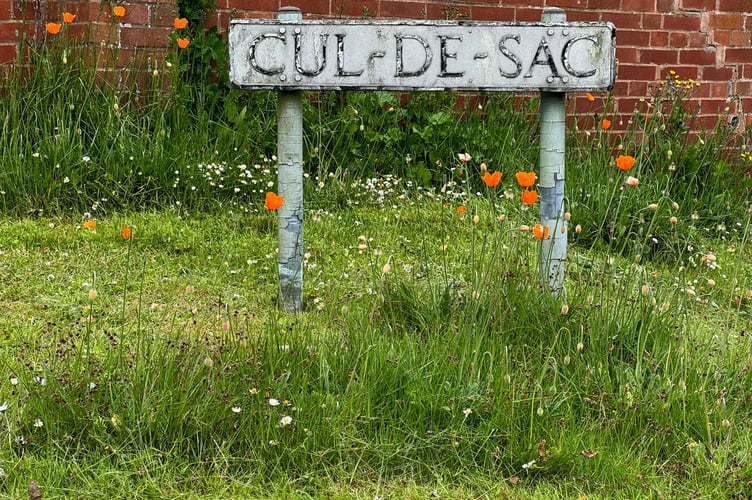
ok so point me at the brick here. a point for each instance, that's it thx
(8, 53)
(528, 15)
(136, 15)
(698, 4)
(638, 5)
(442, 11)
(705, 57)
(627, 54)
(409, 10)
(604, 4)
(665, 6)
(722, 37)
(741, 39)
(678, 39)
(624, 21)
(720, 89)
(652, 21)
(739, 55)
(726, 21)
(659, 56)
(698, 40)
(359, 9)
(718, 74)
(571, 3)
(744, 88)
(270, 5)
(733, 5)
(5, 9)
(585, 16)
(309, 6)
(712, 105)
(684, 72)
(637, 72)
(483, 13)
(659, 38)
(144, 37)
(633, 38)
(682, 23)
(746, 71)
(163, 15)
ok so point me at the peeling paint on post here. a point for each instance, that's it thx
(290, 187)
(552, 144)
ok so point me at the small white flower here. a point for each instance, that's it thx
(236, 409)
(273, 402)
(3, 407)
(13, 380)
(38, 423)
(86, 159)
(92, 386)
(467, 411)
(40, 380)
(66, 180)
(286, 420)
(528, 465)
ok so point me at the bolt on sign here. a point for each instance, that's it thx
(422, 55)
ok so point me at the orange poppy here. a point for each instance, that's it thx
(529, 197)
(526, 179)
(606, 124)
(180, 23)
(118, 10)
(462, 209)
(590, 97)
(90, 224)
(539, 232)
(68, 17)
(273, 202)
(492, 180)
(183, 42)
(126, 233)
(53, 28)
(625, 162)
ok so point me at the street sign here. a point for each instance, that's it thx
(422, 55)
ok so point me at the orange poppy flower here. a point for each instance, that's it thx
(606, 124)
(492, 180)
(90, 224)
(183, 42)
(529, 197)
(590, 97)
(539, 232)
(68, 17)
(118, 10)
(273, 202)
(462, 209)
(526, 179)
(625, 162)
(180, 23)
(53, 28)
(126, 233)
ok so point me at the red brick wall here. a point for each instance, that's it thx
(709, 41)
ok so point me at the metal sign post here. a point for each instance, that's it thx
(290, 55)
(552, 143)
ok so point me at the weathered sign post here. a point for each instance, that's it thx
(291, 55)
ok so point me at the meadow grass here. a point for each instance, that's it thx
(429, 361)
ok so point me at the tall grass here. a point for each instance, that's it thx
(429, 353)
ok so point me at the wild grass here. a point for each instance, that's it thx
(429, 361)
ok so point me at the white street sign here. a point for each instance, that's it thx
(422, 55)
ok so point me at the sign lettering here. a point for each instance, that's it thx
(422, 55)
